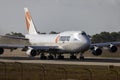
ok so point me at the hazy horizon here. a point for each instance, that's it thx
(91, 16)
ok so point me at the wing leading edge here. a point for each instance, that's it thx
(106, 44)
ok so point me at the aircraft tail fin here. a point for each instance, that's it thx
(29, 23)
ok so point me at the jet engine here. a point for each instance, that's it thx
(96, 51)
(31, 52)
(1, 51)
(112, 48)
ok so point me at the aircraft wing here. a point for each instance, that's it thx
(45, 48)
(11, 41)
(107, 44)
(13, 37)
(10, 46)
(26, 47)
(97, 47)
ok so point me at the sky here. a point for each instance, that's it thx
(91, 16)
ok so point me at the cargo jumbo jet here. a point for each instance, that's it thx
(69, 42)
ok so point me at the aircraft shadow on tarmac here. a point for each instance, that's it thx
(114, 60)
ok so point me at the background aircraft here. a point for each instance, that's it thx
(69, 42)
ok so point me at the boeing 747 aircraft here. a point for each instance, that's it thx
(68, 42)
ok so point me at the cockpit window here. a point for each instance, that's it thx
(64, 38)
(83, 33)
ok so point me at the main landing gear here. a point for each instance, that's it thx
(60, 56)
(73, 56)
(50, 57)
(42, 56)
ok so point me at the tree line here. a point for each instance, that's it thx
(97, 38)
(106, 37)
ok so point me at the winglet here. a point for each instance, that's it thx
(29, 23)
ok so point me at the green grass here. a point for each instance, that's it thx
(15, 71)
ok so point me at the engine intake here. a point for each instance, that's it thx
(97, 51)
(31, 52)
(113, 48)
(1, 51)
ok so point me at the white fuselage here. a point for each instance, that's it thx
(69, 41)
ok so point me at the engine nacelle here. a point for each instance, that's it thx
(113, 48)
(31, 52)
(96, 51)
(1, 51)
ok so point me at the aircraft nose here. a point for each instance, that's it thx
(86, 42)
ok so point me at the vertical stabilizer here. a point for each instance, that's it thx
(29, 23)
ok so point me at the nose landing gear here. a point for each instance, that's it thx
(81, 56)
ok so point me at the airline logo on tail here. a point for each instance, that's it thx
(28, 19)
(29, 23)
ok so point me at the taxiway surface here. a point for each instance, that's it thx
(101, 61)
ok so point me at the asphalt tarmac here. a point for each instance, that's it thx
(101, 61)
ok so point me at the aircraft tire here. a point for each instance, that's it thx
(60, 57)
(50, 57)
(73, 57)
(82, 58)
